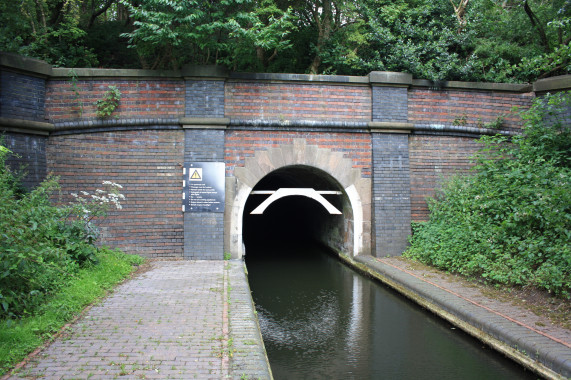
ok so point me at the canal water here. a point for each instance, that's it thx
(322, 320)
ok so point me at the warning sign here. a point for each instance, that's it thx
(195, 174)
(204, 187)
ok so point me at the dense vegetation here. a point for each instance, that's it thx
(473, 40)
(42, 245)
(50, 267)
(510, 222)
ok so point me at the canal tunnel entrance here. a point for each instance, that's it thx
(295, 219)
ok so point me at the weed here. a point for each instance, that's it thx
(109, 103)
(460, 120)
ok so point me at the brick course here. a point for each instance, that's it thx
(242, 144)
(147, 165)
(470, 108)
(277, 101)
(433, 159)
(139, 99)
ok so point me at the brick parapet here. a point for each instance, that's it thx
(474, 109)
(143, 98)
(289, 101)
(147, 164)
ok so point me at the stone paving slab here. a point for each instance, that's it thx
(541, 353)
(179, 320)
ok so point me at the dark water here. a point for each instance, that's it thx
(322, 320)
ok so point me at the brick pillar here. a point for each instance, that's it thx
(391, 168)
(204, 142)
(22, 109)
(391, 193)
(204, 231)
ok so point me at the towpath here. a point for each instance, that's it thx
(178, 320)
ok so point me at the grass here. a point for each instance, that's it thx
(20, 337)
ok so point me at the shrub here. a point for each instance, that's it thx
(42, 245)
(510, 221)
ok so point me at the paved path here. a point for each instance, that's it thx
(179, 320)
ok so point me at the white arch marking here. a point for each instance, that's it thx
(285, 192)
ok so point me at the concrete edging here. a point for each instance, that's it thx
(249, 359)
(538, 353)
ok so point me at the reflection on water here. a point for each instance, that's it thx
(321, 320)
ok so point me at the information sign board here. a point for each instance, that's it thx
(204, 187)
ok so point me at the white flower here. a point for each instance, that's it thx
(84, 192)
(99, 191)
(107, 183)
(74, 195)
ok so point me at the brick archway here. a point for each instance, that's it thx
(356, 188)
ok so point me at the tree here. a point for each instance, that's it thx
(471, 40)
(208, 32)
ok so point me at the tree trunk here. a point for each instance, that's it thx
(324, 24)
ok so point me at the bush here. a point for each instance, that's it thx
(510, 221)
(43, 245)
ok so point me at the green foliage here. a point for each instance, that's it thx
(109, 103)
(20, 337)
(42, 246)
(488, 40)
(510, 221)
(237, 33)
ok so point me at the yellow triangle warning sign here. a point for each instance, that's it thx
(195, 175)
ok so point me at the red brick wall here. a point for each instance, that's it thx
(139, 99)
(146, 164)
(242, 144)
(476, 108)
(432, 159)
(251, 100)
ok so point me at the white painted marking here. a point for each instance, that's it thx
(306, 192)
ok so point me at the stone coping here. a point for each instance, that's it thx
(562, 82)
(27, 65)
(37, 67)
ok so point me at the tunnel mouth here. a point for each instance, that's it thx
(296, 220)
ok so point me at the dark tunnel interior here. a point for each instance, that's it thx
(293, 220)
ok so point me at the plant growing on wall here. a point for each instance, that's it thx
(73, 79)
(109, 103)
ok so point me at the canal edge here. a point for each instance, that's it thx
(249, 359)
(548, 359)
